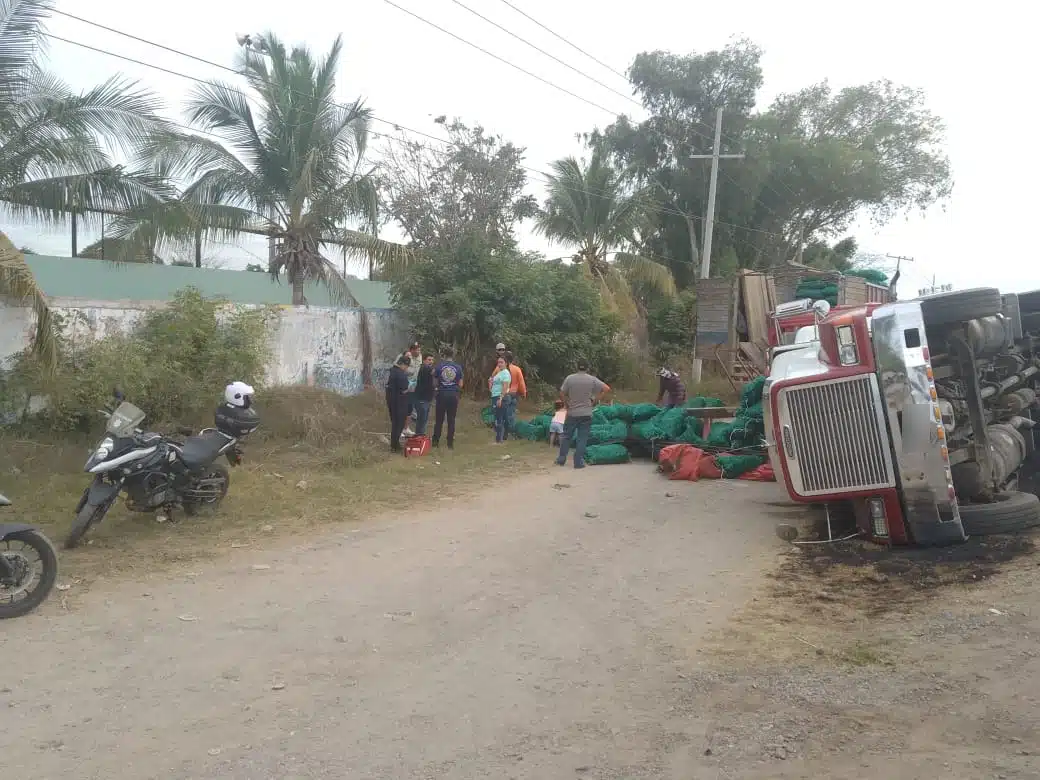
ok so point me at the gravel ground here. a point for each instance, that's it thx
(597, 624)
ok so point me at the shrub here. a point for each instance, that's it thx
(173, 364)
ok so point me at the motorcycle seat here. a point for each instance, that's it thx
(200, 451)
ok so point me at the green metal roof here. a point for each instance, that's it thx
(77, 277)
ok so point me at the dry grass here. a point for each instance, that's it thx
(827, 602)
(318, 459)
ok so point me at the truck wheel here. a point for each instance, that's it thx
(1029, 301)
(952, 307)
(1009, 512)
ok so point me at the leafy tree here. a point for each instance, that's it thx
(592, 208)
(54, 163)
(672, 325)
(255, 267)
(839, 257)
(292, 170)
(441, 194)
(815, 158)
(477, 294)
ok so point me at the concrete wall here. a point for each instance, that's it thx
(318, 346)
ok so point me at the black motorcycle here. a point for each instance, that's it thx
(157, 473)
(28, 567)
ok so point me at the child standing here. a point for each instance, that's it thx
(556, 426)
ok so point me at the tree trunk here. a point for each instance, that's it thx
(298, 298)
(75, 251)
(695, 255)
(198, 249)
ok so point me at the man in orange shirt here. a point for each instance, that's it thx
(517, 390)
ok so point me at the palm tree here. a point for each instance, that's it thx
(290, 170)
(54, 162)
(18, 283)
(592, 207)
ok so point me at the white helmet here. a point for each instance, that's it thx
(238, 394)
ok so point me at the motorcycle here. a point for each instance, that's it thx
(27, 571)
(157, 473)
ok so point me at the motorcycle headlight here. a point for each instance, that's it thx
(104, 449)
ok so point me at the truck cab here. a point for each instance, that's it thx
(915, 416)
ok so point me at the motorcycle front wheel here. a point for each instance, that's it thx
(86, 517)
(35, 568)
(207, 490)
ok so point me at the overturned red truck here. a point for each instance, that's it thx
(912, 419)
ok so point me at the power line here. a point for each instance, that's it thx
(569, 43)
(553, 57)
(503, 60)
(396, 125)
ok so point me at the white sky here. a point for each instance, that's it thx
(971, 61)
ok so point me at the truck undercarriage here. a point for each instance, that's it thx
(916, 416)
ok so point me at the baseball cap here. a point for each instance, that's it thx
(500, 345)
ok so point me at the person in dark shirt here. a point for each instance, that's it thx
(397, 400)
(423, 395)
(671, 391)
(448, 378)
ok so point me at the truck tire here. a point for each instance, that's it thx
(1009, 513)
(1029, 301)
(953, 307)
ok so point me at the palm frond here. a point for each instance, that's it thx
(384, 256)
(643, 271)
(18, 283)
(110, 189)
(21, 36)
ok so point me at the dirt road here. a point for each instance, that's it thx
(545, 629)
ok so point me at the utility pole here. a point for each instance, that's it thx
(709, 221)
(900, 259)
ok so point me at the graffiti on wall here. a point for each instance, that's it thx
(314, 346)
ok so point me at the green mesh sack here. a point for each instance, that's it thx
(542, 419)
(720, 435)
(732, 466)
(643, 412)
(531, 431)
(667, 425)
(700, 402)
(643, 431)
(602, 454)
(692, 433)
(487, 416)
(608, 433)
(751, 393)
(614, 412)
(872, 275)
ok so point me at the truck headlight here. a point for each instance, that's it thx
(878, 520)
(847, 354)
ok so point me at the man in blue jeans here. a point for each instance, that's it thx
(424, 386)
(580, 391)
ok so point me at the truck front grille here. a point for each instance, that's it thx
(835, 436)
